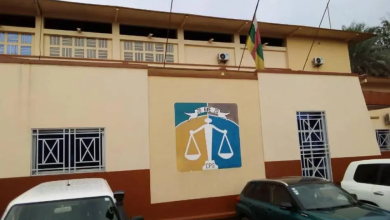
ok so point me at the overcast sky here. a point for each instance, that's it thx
(298, 12)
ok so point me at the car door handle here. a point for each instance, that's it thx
(379, 193)
(269, 211)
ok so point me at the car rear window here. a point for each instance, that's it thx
(367, 173)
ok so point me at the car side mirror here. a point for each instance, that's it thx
(286, 205)
(119, 197)
(140, 217)
(354, 196)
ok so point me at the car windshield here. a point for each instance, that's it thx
(322, 196)
(99, 208)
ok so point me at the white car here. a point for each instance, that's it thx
(78, 199)
(369, 180)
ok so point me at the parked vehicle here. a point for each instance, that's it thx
(79, 199)
(369, 180)
(302, 198)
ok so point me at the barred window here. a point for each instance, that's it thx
(313, 143)
(383, 138)
(60, 151)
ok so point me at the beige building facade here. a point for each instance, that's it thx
(82, 102)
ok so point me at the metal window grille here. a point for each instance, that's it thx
(60, 151)
(313, 142)
(147, 52)
(15, 43)
(383, 138)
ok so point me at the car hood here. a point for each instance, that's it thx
(362, 212)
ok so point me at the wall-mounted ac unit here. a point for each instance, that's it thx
(387, 119)
(318, 61)
(223, 57)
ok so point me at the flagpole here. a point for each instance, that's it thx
(253, 18)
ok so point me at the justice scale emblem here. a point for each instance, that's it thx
(215, 128)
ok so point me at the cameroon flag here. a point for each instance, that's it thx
(253, 44)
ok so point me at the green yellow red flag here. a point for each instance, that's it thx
(253, 44)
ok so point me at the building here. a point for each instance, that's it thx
(377, 95)
(85, 92)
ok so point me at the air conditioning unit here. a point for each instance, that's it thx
(318, 61)
(387, 119)
(223, 57)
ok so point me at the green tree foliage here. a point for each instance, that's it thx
(372, 56)
(384, 31)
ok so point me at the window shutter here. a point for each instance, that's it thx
(91, 53)
(79, 42)
(66, 41)
(159, 47)
(102, 54)
(91, 42)
(54, 51)
(79, 53)
(128, 45)
(169, 58)
(160, 58)
(149, 57)
(25, 50)
(139, 57)
(149, 52)
(129, 56)
(102, 43)
(67, 52)
(139, 46)
(54, 40)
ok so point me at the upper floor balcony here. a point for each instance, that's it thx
(63, 30)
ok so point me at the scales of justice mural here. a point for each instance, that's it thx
(207, 136)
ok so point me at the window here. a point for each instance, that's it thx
(78, 47)
(385, 175)
(248, 190)
(67, 150)
(322, 196)
(383, 138)
(145, 31)
(274, 42)
(15, 43)
(147, 52)
(17, 21)
(206, 36)
(367, 173)
(279, 195)
(262, 192)
(313, 143)
(72, 25)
